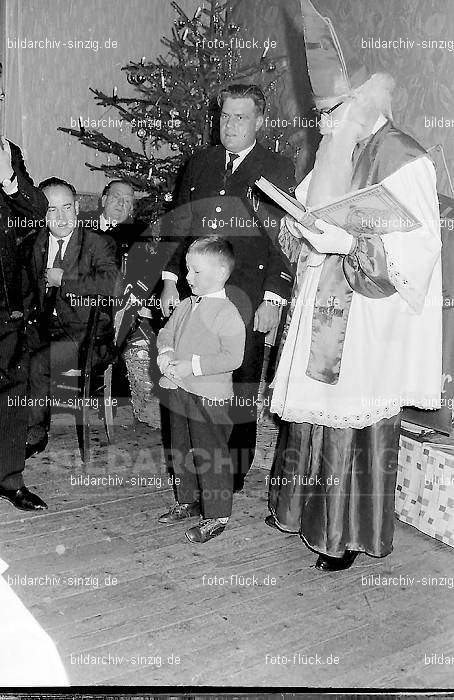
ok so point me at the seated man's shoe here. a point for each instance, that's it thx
(205, 530)
(36, 447)
(326, 563)
(23, 499)
(179, 512)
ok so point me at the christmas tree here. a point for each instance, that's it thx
(173, 110)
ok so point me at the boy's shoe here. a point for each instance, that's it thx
(179, 512)
(205, 530)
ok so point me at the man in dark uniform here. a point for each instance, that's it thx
(21, 204)
(218, 195)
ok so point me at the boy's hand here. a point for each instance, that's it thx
(164, 360)
(180, 368)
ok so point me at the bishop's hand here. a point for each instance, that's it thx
(330, 240)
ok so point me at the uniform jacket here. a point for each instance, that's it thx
(235, 208)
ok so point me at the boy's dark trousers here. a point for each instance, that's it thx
(203, 426)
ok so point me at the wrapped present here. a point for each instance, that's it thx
(425, 485)
(437, 503)
(410, 478)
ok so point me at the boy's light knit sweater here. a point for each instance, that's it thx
(214, 330)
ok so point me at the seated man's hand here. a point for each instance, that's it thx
(330, 240)
(164, 360)
(266, 317)
(53, 276)
(178, 369)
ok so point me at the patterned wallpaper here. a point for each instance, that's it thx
(421, 60)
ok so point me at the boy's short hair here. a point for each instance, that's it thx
(216, 246)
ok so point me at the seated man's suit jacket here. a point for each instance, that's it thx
(89, 269)
(209, 203)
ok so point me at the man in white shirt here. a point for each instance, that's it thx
(66, 267)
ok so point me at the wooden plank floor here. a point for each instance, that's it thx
(131, 602)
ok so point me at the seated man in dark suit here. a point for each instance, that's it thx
(114, 220)
(66, 267)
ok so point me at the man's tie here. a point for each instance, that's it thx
(58, 258)
(51, 292)
(229, 166)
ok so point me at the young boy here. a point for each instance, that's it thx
(198, 349)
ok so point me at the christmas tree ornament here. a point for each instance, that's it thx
(170, 109)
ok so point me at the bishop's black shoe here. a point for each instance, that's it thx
(23, 499)
(270, 521)
(326, 563)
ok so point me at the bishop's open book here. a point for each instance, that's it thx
(373, 209)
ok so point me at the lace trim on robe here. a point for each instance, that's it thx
(354, 420)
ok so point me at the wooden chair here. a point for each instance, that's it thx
(87, 381)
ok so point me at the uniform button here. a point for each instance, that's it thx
(218, 209)
(260, 267)
(221, 191)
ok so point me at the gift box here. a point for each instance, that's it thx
(410, 477)
(437, 502)
(425, 485)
